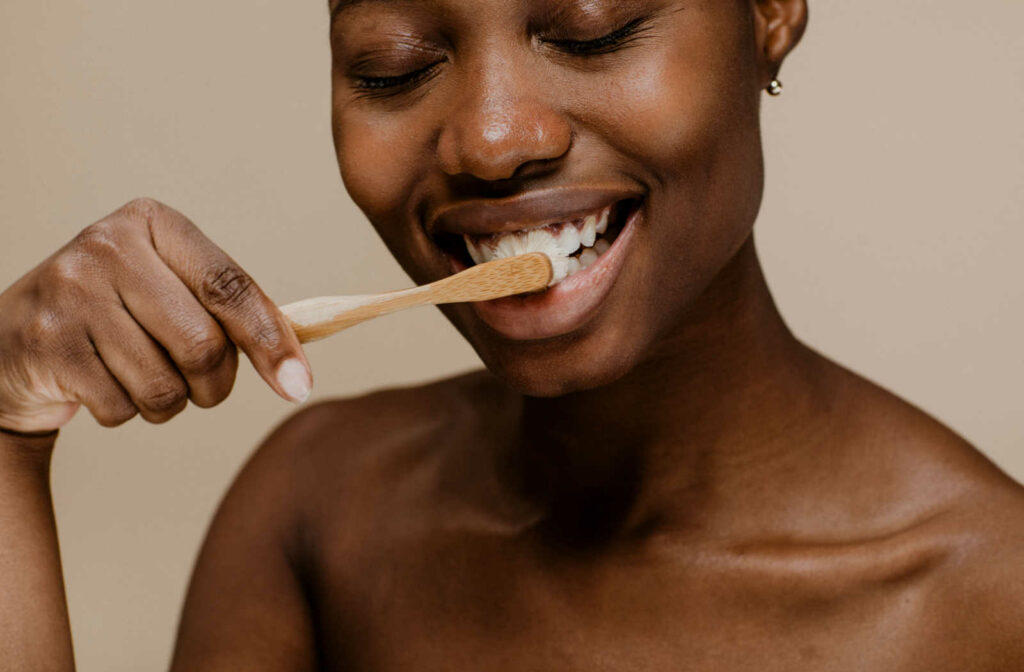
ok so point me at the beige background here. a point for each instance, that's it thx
(891, 233)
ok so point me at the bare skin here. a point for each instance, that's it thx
(422, 556)
(666, 480)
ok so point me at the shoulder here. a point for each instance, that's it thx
(913, 463)
(354, 457)
(980, 591)
(336, 430)
(974, 602)
(918, 469)
(376, 477)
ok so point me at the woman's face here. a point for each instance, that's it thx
(490, 117)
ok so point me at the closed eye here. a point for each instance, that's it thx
(601, 45)
(378, 85)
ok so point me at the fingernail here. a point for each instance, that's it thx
(294, 380)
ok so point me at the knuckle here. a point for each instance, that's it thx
(67, 271)
(101, 238)
(203, 353)
(51, 339)
(214, 389)
(144, 209)
(117, 414)
(149, 214)
(164, 397)
(43, 330)
(266, 333)
(213, 399)
(226, 285)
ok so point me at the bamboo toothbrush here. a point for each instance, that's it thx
(318, 318)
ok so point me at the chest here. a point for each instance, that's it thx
(492, 614)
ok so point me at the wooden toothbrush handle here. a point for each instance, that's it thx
(318, 318)
(495, 279)
(314, 319)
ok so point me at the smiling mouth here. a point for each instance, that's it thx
(573, 245)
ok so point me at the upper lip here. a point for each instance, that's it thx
(526, 211)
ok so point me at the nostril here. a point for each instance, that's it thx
(537, 168)
(515, 140)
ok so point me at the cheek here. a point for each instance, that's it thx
(692, 119)
(686, 112)
(657, 119)
(382, 161)
(373, 157)
(687, 120)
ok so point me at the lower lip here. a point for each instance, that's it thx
(568, 305)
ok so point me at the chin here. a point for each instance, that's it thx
(594, 357)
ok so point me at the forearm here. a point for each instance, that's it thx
(34, 629)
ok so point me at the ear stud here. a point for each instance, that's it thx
(774, 88)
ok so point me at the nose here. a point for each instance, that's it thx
(499, 125)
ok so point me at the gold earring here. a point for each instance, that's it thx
(774, 87)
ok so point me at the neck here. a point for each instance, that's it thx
(724, 402)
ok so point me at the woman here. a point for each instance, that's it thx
(654, 473)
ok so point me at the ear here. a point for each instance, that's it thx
(779, 25)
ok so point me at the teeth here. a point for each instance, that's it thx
(559, 242)
(602, 221)
(589, 233)
(568, 240)
(537, 239)
(513, 246)
(560, 269)
(474, 250)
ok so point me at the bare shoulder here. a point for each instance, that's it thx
(974, 598)
(346, 430)
(325, 497)
(981, 588)
(373, 463)
(907, 455)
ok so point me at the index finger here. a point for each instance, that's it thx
(247, 315)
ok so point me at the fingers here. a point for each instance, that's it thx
(247, 316)
(140, 366)
(138, 313)
(89, 382)
(165, 308)
(57, 369)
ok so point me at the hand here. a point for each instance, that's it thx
(138, 314)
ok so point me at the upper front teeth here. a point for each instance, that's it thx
(589, 233)
(558, 241)
(474, 251)
(567, 240)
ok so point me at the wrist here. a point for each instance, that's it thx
(29, 435)
(33, 447)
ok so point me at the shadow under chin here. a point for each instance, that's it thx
(558, 370)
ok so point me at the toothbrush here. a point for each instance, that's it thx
(314, 319)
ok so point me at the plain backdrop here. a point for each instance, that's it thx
(891, 234)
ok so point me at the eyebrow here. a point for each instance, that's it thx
(346, 4)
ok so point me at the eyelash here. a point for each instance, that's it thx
(371, 86)
(601, 45)
(382, 86)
